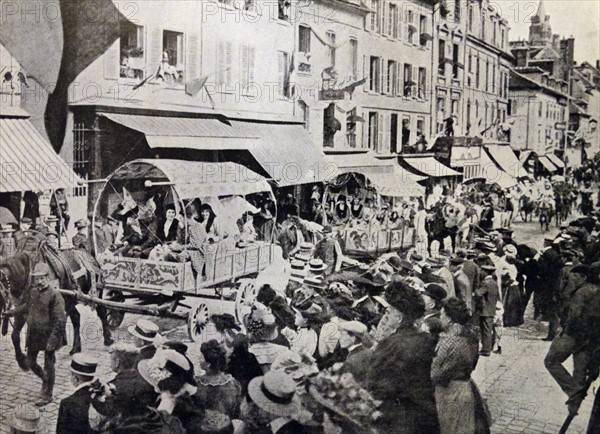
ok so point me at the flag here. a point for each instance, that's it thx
(193, 87)
(58, 50)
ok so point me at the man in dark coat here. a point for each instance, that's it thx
(550, 267)
(487, 297)
(400, 370)
(329, 251)
(127, 392)
(44, 308)
(74, 410)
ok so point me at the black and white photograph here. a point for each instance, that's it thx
(299, 216)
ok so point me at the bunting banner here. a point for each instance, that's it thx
(54, 41)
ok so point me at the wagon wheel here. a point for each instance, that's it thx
(114, 316)
(198, 318)
(245, 298)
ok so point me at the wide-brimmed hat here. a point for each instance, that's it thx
(166, 364)
(41, 269)
(260, 322)
(25, 418)
(456, 260)
(7, 228)
(355, 328)
(315, 282)
(327, 229)
(145, 330)
(435, 262)
(488, 268)
(510, 249)
(51, 219)
(298, 270)
(370, 279)
(84, 364)
(27, 220)
(316, 265)
(275, 393)
(304, 252)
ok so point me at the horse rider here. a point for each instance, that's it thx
(44, 310)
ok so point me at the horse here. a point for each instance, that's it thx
(545, 216)
(74, 269)
(526, 206)
(435, 226)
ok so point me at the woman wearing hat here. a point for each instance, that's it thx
(461, 409)
(262, 332)
(400, 369)
(8, 246)
(218, 392)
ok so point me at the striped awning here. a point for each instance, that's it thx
(548, 164)
(285, 151)
(28, 161)
(505, 157)
(556, 161)
(427, 166)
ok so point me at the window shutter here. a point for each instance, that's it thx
(365, 130)
(229, 61)
(380, 133)
(155, 52)
(384, 75)
(366, 73)
(244, 70)
(251, 58)
(112, 61)
(280, 72)
(399, 86)
(415, 80)
(192, 66)
(381, 76)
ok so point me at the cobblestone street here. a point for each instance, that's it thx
(521, 395)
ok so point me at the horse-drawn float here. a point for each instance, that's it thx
(186, 246)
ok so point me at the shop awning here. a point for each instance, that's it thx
(525, 156)
(548, 165)
(193, 179)
(556, 161)
(428, 166)
(365, 163)
(285, 151)
(404, 184)
(507, 160)
(28, 161)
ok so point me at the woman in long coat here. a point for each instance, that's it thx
(460, 408)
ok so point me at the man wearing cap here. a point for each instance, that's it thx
(580, 336)
(73, 412)
(44, 308)
(352, 334)
(487, 298)
(81, 239)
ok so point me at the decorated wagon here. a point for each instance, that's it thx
(183, 245)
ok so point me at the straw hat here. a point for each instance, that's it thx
(275, 393)
(84, 364)
(316, 265)
(165, 364)
(41, 269)
(6, 228)
(145, 330)
(25, 418)
(82, 223)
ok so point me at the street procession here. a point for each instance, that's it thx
(323, 217)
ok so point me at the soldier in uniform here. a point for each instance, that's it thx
(44, 309)
(74, 410)
(81, 239)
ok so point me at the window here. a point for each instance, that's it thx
(393, 21)
(468, 127)
(330, 126)
(440, 106)
(420, 125)
(392, 70)
(305, 114)
(332, 47)
(422, 83)
(373, 131)
(494, 87)
(540, 109)
(374, 25)
(132, 51)
(304, 34)
(442, 57)
(487, 75)
(172, 66)
(283, 9)
(423, 31)
(454, 107)
(394, 133)
(455, 61)
(283, 74)
(470, 23)
(405, 132)
(494, 33)
(477, 73)
(408, 81)
(247, 60)
(470, 63)
(457, 11)
(354, 57)
(375, 74)
(501, 38)
(224, 63)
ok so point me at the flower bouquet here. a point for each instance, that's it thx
(346, 402)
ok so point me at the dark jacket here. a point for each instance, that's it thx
(243, 366)
(487, 297)
(357, 364)
(131, 395)
(73, 413)
(46, 319)
(400, 375)
(171, 235)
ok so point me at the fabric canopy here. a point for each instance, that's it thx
(556, 161)
(28, 161)
(428, 166)
(507, 160)
(365, 163)
(192, 179)
(548, 165)
(285, 151)
(403, 184)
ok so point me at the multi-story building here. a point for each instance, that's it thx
(472, 63)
